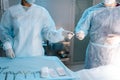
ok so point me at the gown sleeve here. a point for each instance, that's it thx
(49, 31)
(6, 31)
(84, 22)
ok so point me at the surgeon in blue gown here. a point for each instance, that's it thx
(25, 26)
(102, 23)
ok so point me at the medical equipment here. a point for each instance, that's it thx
(29, 68)
(53, 73)
(61, 71)
(45, 72)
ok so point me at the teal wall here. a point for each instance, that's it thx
(80, 46)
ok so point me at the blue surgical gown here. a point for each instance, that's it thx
(25, 30)
(99, 21)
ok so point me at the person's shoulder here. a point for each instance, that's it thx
(11, 9)
(39, 7)
(95, 7)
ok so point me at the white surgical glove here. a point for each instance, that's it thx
(67, 34)
(80, 35)
(113, 39)
(10, 53)
(8, 50)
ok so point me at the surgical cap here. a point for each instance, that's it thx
(109, 1)
(29, 1)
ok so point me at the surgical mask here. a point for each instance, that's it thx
(109, 1)
(30, 1)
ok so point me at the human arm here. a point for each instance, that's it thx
(6, 34)
(83, 25)
(50, 32)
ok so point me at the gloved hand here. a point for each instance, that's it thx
(67, 34)
(80, 35)
(112, 39)
(10, 53)
(8, 50)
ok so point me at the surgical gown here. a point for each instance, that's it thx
(99, 21)
(25, 30)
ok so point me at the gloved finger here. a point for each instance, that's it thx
(64, 33)
(13, 55)
(70, 35)
(10, 53)
(67, 34)
(80, 36)
(77, 35)
(9, 56)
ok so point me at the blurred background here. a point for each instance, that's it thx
(66, 14)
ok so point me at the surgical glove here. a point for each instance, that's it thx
(67, 34)
(8, 49)
(7, 45)
(80, 35)
(113, 39)
(10, 53)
